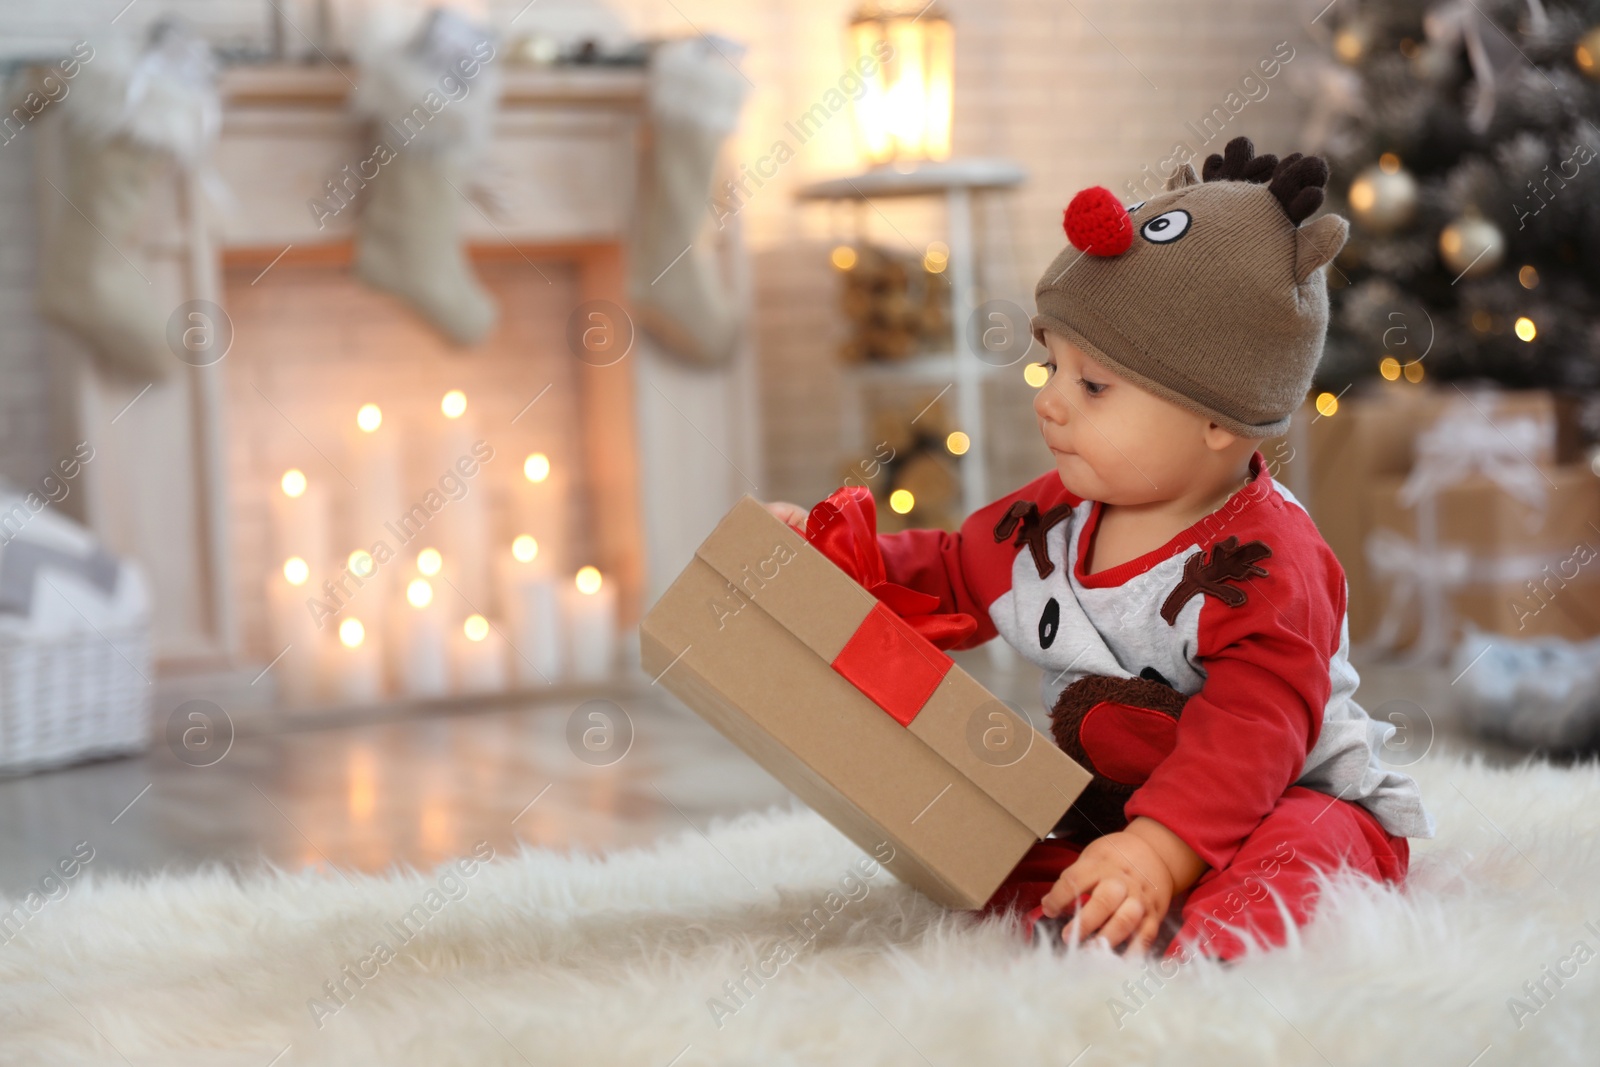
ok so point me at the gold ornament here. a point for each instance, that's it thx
(1586, 54)
(1383, 197)
(1471, 247)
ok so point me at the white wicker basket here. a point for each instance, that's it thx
(71, 697)
(75, 643)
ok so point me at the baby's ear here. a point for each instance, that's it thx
(1317, 243)
(1184, 175)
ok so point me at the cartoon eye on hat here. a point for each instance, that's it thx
(1166, 227)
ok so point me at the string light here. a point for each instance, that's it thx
(843, 257)
(936, 258)
(293, 482)
(1526, 329)
(476, 627)
(429, 561)
(957, 443)
(453, 404)
(369, 418)
(296, 570)
(1035, 374)
(352, 633)
(1348, 46)
(524, 548)
(1529, 277)
(361, 564)
(1389, 367)
(536, 468)
(419, 593)
(1327, 404)
(901, 501)
(1413, 371)
(588, 580)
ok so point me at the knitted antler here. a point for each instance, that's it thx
(1298, 183)
(1239, 163)
(1296, 180)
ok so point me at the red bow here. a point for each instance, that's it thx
(844, 528)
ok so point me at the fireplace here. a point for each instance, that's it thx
(190, 487)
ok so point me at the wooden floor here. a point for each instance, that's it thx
(425, 787)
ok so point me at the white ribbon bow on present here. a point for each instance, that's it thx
(1467, 439)
(1408, 568)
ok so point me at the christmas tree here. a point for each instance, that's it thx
(1464, 148)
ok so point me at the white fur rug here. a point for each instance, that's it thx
(547, 958)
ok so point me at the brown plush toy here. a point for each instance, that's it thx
(1118, 729)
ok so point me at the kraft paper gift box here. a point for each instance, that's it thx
(1331, 461)
(860, 716)
(1524, 566)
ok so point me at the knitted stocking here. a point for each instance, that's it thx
(432, 93)
(677, 289)
(410, 245)
(92, 280)
(133, 112)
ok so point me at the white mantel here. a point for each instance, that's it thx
(563, 162)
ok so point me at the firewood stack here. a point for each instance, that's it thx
(896, 302)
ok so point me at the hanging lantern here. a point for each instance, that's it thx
(906, 56)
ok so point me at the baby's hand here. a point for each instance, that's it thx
(1130, 888)
(791, 514)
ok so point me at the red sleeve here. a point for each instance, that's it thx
(1243, 738)
(967, 570)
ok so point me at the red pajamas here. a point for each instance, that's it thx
(1205, 684)
(1306, 832)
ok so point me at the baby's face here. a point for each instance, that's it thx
(1112, 440)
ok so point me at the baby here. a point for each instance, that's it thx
(1189, 618)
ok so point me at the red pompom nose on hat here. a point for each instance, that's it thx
(1097, 223)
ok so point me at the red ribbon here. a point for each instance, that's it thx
(892, 657)
(844, 528)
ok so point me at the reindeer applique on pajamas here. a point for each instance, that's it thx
(1206, 684)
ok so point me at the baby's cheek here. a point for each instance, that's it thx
(1116, 461)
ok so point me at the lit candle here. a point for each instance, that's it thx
(531, 604)
(592, 626)
(374, 448)
(294, 635)
(358, 664)
(539, 505)
(522, 561)
(480, 657)
(300, 519)
(423, 668)
(463, 523)
(369, 584)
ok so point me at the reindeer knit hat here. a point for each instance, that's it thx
(1209, 294)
